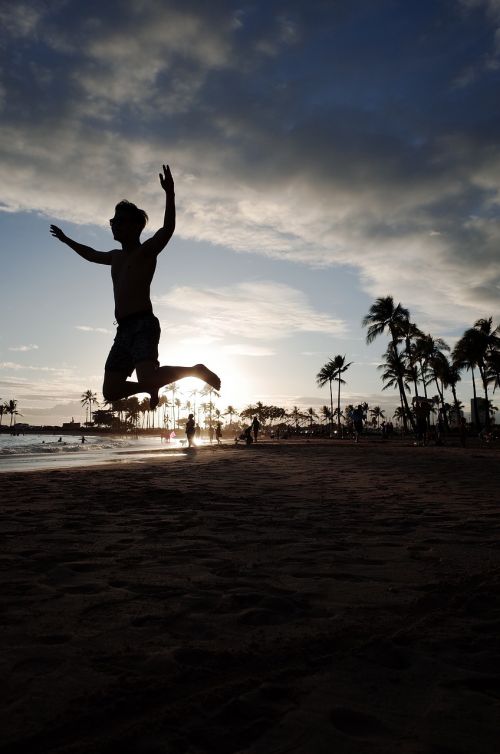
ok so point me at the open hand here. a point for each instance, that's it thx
(57, 233)
(166, 180)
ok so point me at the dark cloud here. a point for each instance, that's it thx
(361, 133)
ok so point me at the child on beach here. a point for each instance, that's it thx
(190, 430)
(218, 432)
(138, 333)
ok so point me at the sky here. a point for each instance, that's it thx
(324, 154)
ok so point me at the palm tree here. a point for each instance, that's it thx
(311, 413)
(132, 410)
(173, 387)
(87, 399)
(466, 355)
(118, 407)
(438, 366)
(2, 412)
(11, 408)
(210, 391)
(144, 409)
(296, 415)
(398, 414)
(411, 334)
(326, 414)
(164, 404)
(391, 377)
(276, 413)
(178, 403)
(338, 415)
(383, 315)
(450, 376)
(493, 368)
(230, 411)
(377, 414)
(194, 394)
(455, 412)
(488, 342)
(329, 372)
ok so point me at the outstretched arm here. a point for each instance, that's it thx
(91, 255)
(157, 243)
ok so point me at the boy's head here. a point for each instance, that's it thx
(128, 221)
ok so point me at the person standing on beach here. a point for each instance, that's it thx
(357, 421)
(422, 412)
(190, 430)
(138, 333)
(218, 432)
(255, 428)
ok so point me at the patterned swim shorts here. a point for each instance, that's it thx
(136, 340)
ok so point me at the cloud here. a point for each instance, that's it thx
(20, 18)
(87, 328)
(258, 311)
(243, 349)
(373, 166)
(13, 365)
(31, 347)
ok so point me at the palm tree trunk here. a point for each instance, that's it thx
(338, 405)
(476, 412)
(414, 372)
(455, 400)
(482, 372)
(331, 407)
(422, 375)
(404, 400)
(441, 400)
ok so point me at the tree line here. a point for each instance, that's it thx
(416, 361)
(9, 408)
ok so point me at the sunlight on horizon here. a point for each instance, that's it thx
(236, 387)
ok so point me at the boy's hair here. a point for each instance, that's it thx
(137, 215)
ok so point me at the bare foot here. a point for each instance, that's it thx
(201, 371)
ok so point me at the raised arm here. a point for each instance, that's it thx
(91, 255)
(157, 243)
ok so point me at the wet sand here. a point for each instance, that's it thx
(301, 597)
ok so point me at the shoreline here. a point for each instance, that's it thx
(90, 458)
(271, 598)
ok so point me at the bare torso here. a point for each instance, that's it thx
(132, 273)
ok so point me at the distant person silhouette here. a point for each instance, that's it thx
(138, 334)
(190, 430)
(422, 412)
(357, 421)
(218, 432)
(255, 428)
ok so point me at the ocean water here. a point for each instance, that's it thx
(30, 452)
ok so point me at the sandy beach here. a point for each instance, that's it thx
(306, 597)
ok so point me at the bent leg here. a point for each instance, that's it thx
(152, 378)
(116, 386)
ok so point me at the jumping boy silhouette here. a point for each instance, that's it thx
(138, 333)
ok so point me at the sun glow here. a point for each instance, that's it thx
(236, 388)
